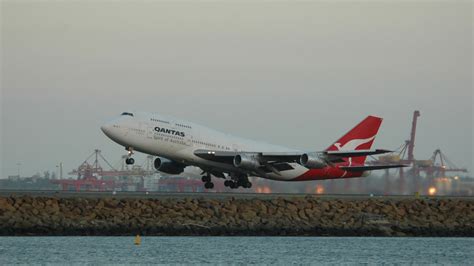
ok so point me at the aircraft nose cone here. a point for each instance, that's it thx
(105, 128)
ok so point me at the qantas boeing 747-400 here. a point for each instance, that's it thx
(179, 143)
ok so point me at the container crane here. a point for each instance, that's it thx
(404, 156)
(91, 176)
(441, 164)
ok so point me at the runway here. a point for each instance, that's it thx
(209, 195)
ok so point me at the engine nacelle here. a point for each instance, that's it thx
(168, 166)
(313, 160)
(246, 161)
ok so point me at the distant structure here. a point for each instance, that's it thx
(419, 170)
(92, 177)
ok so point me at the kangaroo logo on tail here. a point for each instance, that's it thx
(353, 144)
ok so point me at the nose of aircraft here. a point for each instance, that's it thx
(106, 128)
(115, 128)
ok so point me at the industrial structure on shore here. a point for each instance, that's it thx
(91, 176)
(426, 176)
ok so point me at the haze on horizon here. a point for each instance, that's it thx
(294, 74)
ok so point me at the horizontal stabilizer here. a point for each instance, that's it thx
(356, 153)
(370, 167)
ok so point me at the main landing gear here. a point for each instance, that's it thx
(207, 181)
(238, 181)
(129, 159)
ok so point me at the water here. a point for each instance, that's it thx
(236, 250)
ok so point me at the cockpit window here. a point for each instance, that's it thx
(125, 113)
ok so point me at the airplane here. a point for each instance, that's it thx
(178, 143)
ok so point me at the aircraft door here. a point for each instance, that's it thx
(169, 141)
(188, 139)
(149, 131)
(145, 128)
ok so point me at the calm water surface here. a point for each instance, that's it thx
(237, 250)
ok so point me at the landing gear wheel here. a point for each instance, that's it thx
(206, 178)
(129, 161)
(240, 180)
(227, 183)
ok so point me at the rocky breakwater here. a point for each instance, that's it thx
(201, 216)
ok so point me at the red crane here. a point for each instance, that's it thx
(405, 156)
(411, 142)
(410, 148)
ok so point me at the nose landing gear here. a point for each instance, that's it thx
(129, 159)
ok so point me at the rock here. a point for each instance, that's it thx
(113, 203)
(233, 209)
(189, 205)
(324, 206)
(6, 205)
(271, 210)
(262, 208)
(302, 215)
(292, 208)
(248, 215)
(308, 213)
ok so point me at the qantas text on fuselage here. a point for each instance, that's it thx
(170, 131)
(179, 143)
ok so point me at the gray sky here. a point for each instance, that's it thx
(295, 74)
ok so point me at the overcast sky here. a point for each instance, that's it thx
(294, 74)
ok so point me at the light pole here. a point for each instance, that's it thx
(18, 165)
(57, 172)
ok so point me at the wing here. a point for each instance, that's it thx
(370, 167)
(228, 156)
(280, 161)
(283, 157)
(270, 161)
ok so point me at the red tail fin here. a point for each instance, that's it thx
(360, 137)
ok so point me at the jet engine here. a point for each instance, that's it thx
(168, 166)
(246, 161)
(313, 160)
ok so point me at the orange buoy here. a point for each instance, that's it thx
(137, 240)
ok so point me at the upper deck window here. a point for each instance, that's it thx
(125, 113)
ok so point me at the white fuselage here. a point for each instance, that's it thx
(177, 140)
